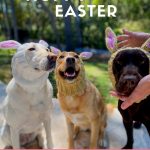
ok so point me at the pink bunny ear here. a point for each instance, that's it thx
(44, 43)
(111, 40)
(10, 44)
(86, 55)
(146, 45)
(54, 50)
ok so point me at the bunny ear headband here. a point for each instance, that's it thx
(83, 55)
(111, 43)
(11, 44)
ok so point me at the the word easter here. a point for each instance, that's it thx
(102, 11)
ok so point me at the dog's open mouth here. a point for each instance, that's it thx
(70, 73)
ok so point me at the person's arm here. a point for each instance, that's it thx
(140, 92)
(132, 39)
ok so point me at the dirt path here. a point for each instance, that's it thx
(114, 131)
(116, 136)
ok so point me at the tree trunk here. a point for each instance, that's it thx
(67, 21)
(14, 20)
(4, 8)
(52, 21)
(77, 25)
(90, 2)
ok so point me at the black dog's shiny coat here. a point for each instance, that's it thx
(139, 111)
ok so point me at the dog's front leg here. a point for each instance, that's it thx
(94, 133)
(47, 125)
(14, 133)
(147, 125)
(129, 130)
(70, 127)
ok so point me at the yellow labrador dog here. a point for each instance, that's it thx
(80, 101)
(29, 95)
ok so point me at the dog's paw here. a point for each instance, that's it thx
(8, 147)
(128, 146)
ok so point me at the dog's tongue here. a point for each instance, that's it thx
(70, 74)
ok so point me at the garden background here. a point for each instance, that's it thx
(30, 21)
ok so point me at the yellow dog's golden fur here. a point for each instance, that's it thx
(80, 101)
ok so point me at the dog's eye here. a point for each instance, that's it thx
(76, 56)
(119, 63)
(31, 49)
(48, 49)
(142, 62)
(61, 57)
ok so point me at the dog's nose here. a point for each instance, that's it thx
(70, 60)
(130, 79)
(52, 57)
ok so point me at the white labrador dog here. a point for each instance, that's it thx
(29, 94)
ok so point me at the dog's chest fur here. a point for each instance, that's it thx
(74, 111)
(81, 109)
(27, 109)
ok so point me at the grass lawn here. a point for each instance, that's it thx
(5, 73)
(5, 61)
(96, 72)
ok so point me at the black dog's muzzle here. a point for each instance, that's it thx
(128, 80)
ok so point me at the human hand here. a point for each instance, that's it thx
(140, 92)
(132, 39)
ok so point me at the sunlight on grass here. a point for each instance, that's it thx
(5, 73)
(7, 52)
(5, 67)
(98, 74)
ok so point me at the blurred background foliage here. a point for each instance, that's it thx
(30, 21)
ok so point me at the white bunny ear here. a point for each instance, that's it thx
(44, 43)
(54, 50)
(10, 44)
(86, 55)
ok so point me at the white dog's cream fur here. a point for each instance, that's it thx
(29, 96)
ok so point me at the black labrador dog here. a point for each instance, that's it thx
(128, 67)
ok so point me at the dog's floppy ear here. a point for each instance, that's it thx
(86, 55)
(111, 40)
(146, 45)
(10, 44)
(44, 43)
(54, 50)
